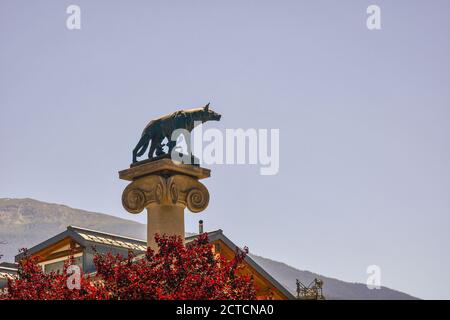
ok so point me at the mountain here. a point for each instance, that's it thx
(333, 289)
(27, 222)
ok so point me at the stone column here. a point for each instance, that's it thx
(165, 188)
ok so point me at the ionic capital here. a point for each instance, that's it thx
(179, 190)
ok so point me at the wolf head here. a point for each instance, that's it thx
(210, 114)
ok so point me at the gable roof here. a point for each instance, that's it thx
(218, 235)
(93, 236)
(89, 238)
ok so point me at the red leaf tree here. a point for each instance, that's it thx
(33, 284)
(175, 271)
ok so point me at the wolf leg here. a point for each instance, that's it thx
(159, 150)
(155, 143)
(140, 148)
(172, 142)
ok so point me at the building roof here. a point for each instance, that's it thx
(7, 272)
(88, 238)
(218, 235)
(110, 239)
(11, 265)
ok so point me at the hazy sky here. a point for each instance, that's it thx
(363, 116)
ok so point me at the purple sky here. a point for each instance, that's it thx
(363, 117)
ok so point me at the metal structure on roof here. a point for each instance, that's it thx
(312, 291)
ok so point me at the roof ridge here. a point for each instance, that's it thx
(8, 268)
(75, 228)
(195, 235)
(98, 232)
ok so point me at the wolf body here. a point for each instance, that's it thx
(158, 129)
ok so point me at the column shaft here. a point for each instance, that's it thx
(164, 219)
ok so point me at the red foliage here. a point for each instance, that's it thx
(33, 284)
(174, 272)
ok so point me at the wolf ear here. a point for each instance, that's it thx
(206, 108)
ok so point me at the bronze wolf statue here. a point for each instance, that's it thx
(158, 129)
